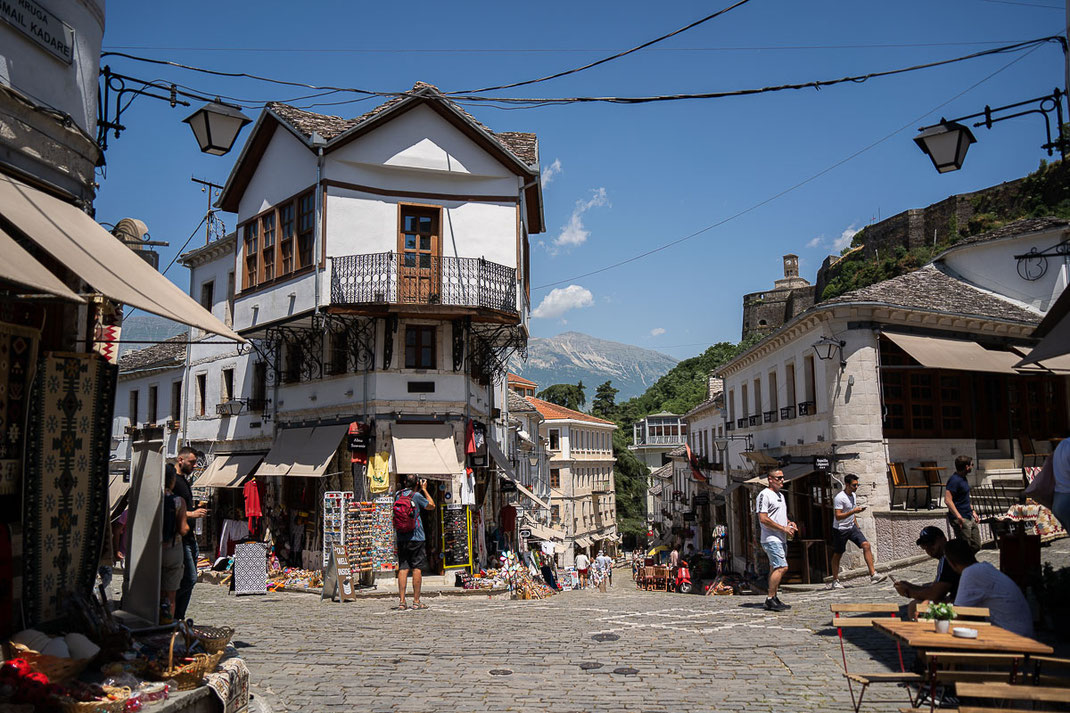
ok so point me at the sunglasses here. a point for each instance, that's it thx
(775, 478)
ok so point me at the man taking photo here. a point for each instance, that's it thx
(412, 542)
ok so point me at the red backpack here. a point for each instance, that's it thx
(404, 514)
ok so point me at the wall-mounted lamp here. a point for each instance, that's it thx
(826, 347)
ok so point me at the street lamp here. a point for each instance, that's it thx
(945, 144)
(825, 347)
(216, 126)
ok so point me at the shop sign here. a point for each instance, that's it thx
(508, 486)
(525, 533)
(358, 438)
(822, 463)
(41, 26)
(689, 517)
(338, 581)
(702, 499)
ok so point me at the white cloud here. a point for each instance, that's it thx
(836, 245)
(550, 171)
(561, 300)
(657, 331)
(815, 242)
(574, 233)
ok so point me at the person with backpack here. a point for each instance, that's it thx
(412, 547)
(175, 526)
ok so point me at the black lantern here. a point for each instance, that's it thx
(826, 347)
(945, 144)
(216, 126)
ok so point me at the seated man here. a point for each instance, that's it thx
(944, 587)
(982, 585)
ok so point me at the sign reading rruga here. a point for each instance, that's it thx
(41, 26)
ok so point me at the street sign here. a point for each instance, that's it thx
(821, 463)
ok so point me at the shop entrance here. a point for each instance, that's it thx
(810, 506)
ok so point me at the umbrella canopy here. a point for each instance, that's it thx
(654, 551)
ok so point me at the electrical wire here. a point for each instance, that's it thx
(800, 184)
(818, 84)
(1024, 4)
(604, 60)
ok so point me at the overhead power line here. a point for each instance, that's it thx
(611, 58)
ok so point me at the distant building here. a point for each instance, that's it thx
(765, 312)
(521, 386)
(655, 435)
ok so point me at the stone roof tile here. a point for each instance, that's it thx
(170, 352)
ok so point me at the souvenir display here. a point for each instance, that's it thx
(360, 536)
(720, 547)
(456, 536)
(384, 540)
(335, 510)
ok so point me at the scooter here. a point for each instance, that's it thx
(683, 578)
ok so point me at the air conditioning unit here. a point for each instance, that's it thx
(229, 408)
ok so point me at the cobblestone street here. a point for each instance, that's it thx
(482, 654)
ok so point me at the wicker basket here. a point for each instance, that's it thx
(56, 668)
(188, 675)
(116, 705)
(214, 639)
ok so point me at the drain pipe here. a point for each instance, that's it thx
(318, 142)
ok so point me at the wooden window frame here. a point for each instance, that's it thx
(427, 338)
(152, 402)
(201, 385)
(226, 385)
(555, 477)
(134, 406)
(281, 259)
(176, 400)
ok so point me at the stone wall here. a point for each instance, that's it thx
(765, 312)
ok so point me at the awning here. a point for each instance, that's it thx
(761, 459)
(962, 355)
(302, 452)
(425, 449)
(791, 472)
(532, 496)
(542, 532)
(656, 490)
(499, 458)
(229, 471)
(1058, 361)
(583, 542)
(99, 258)
(21, 268)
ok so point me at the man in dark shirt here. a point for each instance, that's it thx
(960, 514)
(185, 462)
(412, 546)
(946, 585)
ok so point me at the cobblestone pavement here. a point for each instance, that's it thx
(687, 652)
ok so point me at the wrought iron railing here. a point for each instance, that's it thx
(769, 416)
(729, 426)
(806, 408)
(396, 278)
(742, 422)
(787, 412)
(756, 420)
(661, 440)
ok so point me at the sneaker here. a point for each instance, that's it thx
(774, 605)
(777, 600)
(877, 578)
(835, 584)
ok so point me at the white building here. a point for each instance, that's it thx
(655, 435)
(913, 371)
(582, 498)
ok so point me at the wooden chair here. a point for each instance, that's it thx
(1030, 457)
(898, 475)
(661, 579)
(995, 696)
(865, 680)
(1050, 671)
(932, 479)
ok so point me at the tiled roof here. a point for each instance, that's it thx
(664, 471)
(551, 411)
(518, 403)
(707, 404)
(515, 379)
(171, 352)
(929, 289)
(678, 452)
(1024, 226)
(661, 414)
(523, 145)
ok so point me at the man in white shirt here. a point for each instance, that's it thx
(583, 563)
(605, 563)
(982, 585)
(845, 529)
(772, 509)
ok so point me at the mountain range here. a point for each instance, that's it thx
(573, 356)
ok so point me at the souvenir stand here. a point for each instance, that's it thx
(360, 537)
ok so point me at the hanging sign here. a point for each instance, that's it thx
(338, 581)
(821, 463)
(41, 26)
(359, 438)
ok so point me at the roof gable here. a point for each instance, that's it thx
(551, 411)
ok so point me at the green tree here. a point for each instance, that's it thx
(567, 395)
(605, 401)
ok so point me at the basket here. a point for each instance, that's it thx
(214, 639)
(188, 675)
(116, 705)
(56, 668)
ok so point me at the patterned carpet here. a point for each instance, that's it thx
(18, 360)
(65, 502)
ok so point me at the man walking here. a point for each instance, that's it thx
(845, 529)
(412, 542)
(772, 509)
(605, 565)
(583, 563)
(960, 514)
(185, 463)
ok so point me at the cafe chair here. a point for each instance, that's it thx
(898, 475)
(1030, 457)
(932, 479)
(873, 612)
(1009, 698)
(1050, 671)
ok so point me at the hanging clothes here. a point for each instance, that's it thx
(466, 494)
(233, 532)
(252, 504)
(470, 438)
(480, 437)
(379, 472)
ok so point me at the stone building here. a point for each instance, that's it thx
(766, 311)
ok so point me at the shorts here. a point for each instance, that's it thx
(840, 538)
(173, 565)
(412, 554)
(583, 572)
(775, 550)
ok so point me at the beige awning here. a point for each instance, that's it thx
(791, 472)
(532, 496)
(542, 532)
(302, 452)
(583, 542)
(962, 355)
(1058, 351)
(425, 449)
(20, 267)
(499, 458)
(761, 459)
(99, 258)
(229, 471)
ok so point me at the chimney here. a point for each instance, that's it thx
(715, 387)
(791, 266)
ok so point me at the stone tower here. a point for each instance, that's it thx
(765, 312)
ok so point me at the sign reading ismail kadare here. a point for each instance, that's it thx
(41, 26)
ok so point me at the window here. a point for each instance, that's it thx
(133, 407)
(555, 513)
(306, 229)
(227, 391)
(286, 237)
(293, 364)
(555, 439)
(280, 241)
(151, 416)
(810, 384)
(758, 396)
(251, 238)
(267, 250)
(772, 391)
(176, 400)
(746, 403)
(732, 405)
(228, 311)
(202, 393)
(339, 355)
(555, 478)
(419, 347)
(789, 382)
(208, 295)
(258, 397)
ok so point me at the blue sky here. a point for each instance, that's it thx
(620, 180)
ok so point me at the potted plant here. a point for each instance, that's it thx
(941, 614)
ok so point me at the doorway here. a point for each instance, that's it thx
(419, 255)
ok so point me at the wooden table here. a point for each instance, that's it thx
(920, 635)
